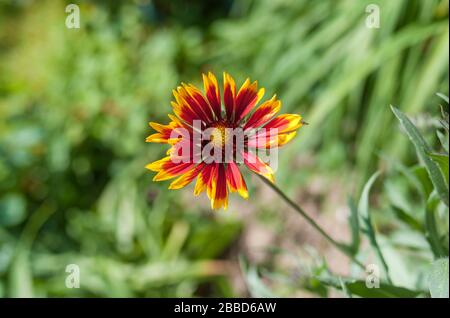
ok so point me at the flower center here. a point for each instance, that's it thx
(219, 136)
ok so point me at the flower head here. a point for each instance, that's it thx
(209, 139)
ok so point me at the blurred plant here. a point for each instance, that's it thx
(73, 109)
(73, 105)
(418, 201)
(322, 59)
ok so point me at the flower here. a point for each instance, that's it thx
(189, 156)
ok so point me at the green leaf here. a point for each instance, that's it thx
(422, 149)
(432, 233)
(21, 276)
(444, 140)
(422, 175)
(366, 221)
(411, 176)
(256, 286)
(445, 120)
(444, 97)
(363, 205)
(13, 209)
(407, 219)
(438, 279)
(175, 241)
(344, 288)
(384, 290)
(442, 161)
(353, 220)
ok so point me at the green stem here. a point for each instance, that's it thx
(343, 248)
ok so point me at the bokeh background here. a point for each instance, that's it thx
(75, 106)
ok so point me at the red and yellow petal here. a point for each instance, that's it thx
(167, 169)
(158, 138)
(158, 164)
(212, 93)
(263, 140)
(277, 132)
(182, 151)
(235, 181)
(285, 123)
(247, 97)
(183, 112)
(283, 139)
(217, 187)
(191, 97)
(196, 98)
(212, 178)
(229, 95)
(255, 164)
(187, 177)
(164, 132)
(203, 180)
(263, 113)
(172, 172)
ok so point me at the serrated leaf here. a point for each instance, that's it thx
(422, 148)
(438, 279)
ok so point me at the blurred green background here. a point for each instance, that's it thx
(75, 106)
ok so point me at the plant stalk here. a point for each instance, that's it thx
(343, 248)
